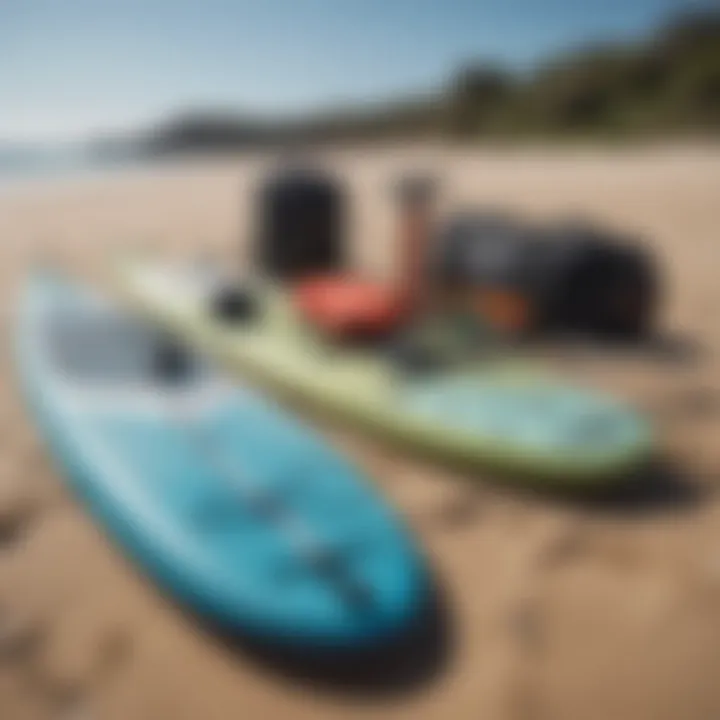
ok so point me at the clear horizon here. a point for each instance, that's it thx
(71, 70)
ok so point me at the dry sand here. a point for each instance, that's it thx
(553, 609)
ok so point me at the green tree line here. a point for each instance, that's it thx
(664, 84)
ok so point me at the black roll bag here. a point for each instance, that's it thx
(571, 277)
(301, 224)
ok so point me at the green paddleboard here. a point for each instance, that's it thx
(483, 415)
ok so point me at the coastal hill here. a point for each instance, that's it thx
(667, 83)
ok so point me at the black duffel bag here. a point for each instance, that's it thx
(568, 278)
(596, 282)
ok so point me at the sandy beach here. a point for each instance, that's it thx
(552, 609)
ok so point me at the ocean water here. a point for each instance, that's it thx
(21, 166)
(19, 169)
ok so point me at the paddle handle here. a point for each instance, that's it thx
(415, 207)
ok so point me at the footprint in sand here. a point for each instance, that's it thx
(20, 637)
(564, 543)
(18, 510)
(461, 510)
(70, 696)
(690, 403)
(526, 625)
(564, 546)
(14, 522)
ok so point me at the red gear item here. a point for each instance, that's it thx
(347, 308)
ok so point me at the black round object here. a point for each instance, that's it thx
(234, 304)
(300, 224)
(171, 362)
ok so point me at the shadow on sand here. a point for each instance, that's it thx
(661, 487)
(673, 349)
(405, 665)
(658, 488)
(668, 349)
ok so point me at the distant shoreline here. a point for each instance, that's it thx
(81, 168)
(41, 179)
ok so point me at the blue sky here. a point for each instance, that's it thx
(72, 68)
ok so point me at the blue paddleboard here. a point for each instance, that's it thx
(232, 506)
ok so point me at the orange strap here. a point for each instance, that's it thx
(505, 309)
(347, 307)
